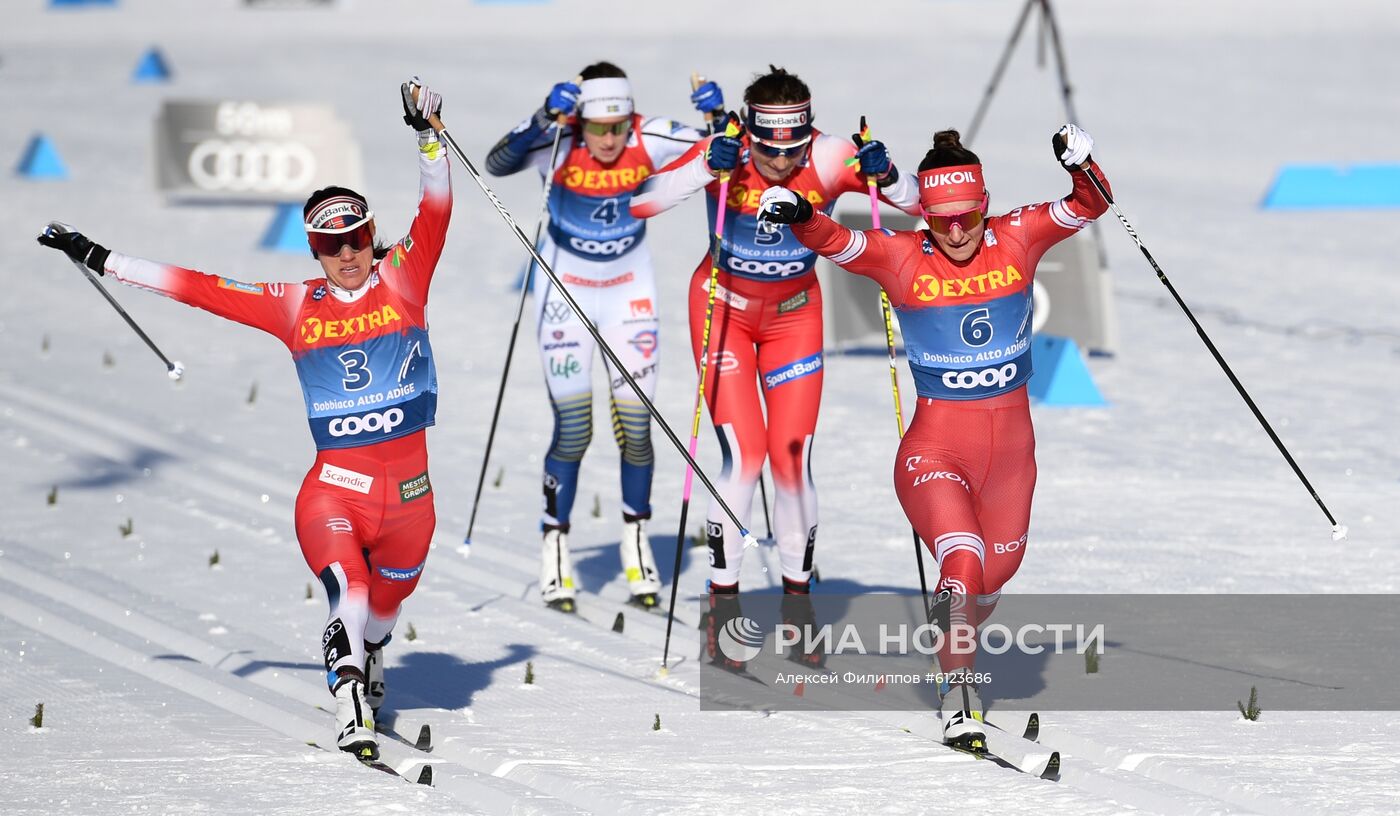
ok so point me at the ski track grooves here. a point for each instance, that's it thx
(514, 785)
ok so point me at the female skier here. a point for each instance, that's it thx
(359, 338)
(965, 470)
(766, 327)
(599, 251)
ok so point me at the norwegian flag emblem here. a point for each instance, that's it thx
(782, 134)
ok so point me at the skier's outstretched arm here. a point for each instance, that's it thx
(871, 253)
(271, 307)
(412, 260)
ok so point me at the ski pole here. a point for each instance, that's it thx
(174, 369)
(749, 540)
(731, 129)
(872, 185)
(515, 329)
(1339, 531)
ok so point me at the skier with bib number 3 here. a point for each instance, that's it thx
(600, 253)
(358, 336)
(965, 471)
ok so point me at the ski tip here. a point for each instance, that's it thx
(425, 776)
(1052, 768)
(425, 739)
(618, 623)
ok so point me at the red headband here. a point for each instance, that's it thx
(943, 184)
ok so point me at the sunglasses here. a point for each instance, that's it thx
(776, 152)
(603, 129)
(967, 220)
(356, 236)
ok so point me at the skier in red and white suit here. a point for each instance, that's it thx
(965, 471)
(359, 338)
(767, 322)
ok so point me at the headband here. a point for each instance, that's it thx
(338, 214)
(781, 123)
(605, 97)
(943, 184)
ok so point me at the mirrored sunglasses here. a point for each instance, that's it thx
(603, 129)
(357, 236)
(967, 220)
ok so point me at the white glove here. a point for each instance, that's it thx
(417, 112)
(778, 206)
(1077, 143)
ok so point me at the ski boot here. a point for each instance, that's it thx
(638, 564)
(354, 719)
(961, 710)
(374, 675)
(724, 609)
(797, 612)
(557, 572)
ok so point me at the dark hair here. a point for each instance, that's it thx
(381, 249)
(601, 70)
(947, 151)
(777, 87)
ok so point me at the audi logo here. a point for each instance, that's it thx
(986, 378)
(616, 247)
(240, 165)
(351, 426)
(782, 270)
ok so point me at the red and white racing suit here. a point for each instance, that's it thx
(364, 515)
(965, 471)
(766, 335)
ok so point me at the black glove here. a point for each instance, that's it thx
(77, 246)
(416, 114)
(779, 205)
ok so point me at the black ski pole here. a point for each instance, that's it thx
(1339, 531)
(173, 368)
(514, 331)
(749, 540)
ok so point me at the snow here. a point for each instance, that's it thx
(173, 687)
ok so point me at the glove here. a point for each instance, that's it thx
(779, 205)
(76, 246)
(874, 159)
(1072, 147)
(429, 104)
(722, 156)
(708, 99)
(562, 99)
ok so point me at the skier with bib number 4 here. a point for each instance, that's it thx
(599, 251)
(965, 471)
(766, 324)
(358, 336)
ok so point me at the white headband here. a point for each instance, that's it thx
(605, 97)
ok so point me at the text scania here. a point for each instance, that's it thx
(381, 422)
(313, 329)
(797, 370)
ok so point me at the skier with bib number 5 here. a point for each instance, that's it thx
(600, 252)
(766, 325)
(965, 471)
(358, 336)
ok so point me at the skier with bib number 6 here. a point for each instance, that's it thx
(965, 471)
(358, 337)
